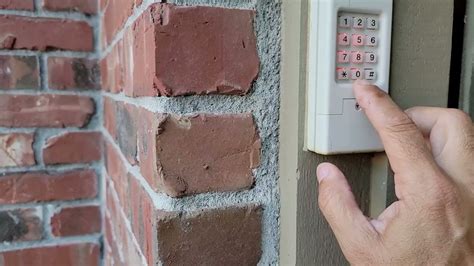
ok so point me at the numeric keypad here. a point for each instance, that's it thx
(357, 47)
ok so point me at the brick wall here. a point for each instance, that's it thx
(50, 139)
(180, 99)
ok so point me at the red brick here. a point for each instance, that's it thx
(16, 149)
(73, 147)
(147, 131)
(72, 255)
(204, 50)
(124, 238)
(18, 32)
(203, 153)
(42, 186)
(21, 225)
(73, 73)
(19, 72)
(45, 110)
(84, 6)
(76, 221)
(112, 70)
(17, 4)
(143, 219)
(117, 171)
(214, 237)
(115, 15)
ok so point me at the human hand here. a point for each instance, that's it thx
(431, 152)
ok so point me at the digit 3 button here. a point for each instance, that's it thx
(342, 74)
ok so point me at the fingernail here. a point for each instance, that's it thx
(322, 172)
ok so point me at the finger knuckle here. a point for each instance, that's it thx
(401, 123)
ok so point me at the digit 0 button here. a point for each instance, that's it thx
(356, 73)
(343, 39)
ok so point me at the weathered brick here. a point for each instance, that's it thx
(202, 153)
(75, 221)
(72, 255)
(73, 147)
(73, 73)
(147, 130)
(204, 50)
(19, 72)
(45, 110)
(17, 4)
(85, 6)
(214, 237)
(17, 32)
(21, 225)
(42, 186)
(16, 149)
(127, 117)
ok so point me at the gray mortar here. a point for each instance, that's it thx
(262, 102)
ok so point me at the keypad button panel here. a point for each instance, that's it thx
(357, 47)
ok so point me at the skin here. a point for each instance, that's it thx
(431, 151)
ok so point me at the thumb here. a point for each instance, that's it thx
(340, 209)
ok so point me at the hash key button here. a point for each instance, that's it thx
(370, 74)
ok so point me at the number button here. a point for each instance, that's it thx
(342, 74)
(345, 22)
(357, 58)
(370, 74)
(357, 40)
(370, 57)
(371, 40)
(343, 39)
(342, 57)
(359, 22)
(356, 73)
(372, 23)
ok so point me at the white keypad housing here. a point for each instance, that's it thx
(357, 35)
(348, 40)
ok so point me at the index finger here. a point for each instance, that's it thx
(404, 144)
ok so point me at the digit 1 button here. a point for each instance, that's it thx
(342, 74)
(356, 73)
(357, 57)
(370, 74)
(344, 22)
(357, 40)
(371, 40)
(359, 23)
(372, 23)
(370, 58)
(343, 39)
(342, 57)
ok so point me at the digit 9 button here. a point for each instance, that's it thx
(357, 42)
